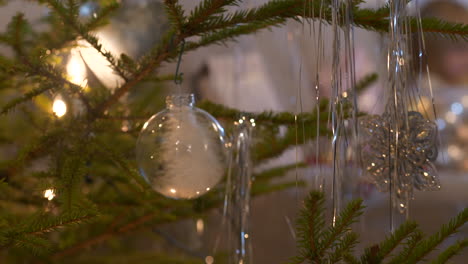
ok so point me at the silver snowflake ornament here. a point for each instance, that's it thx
(407, 160)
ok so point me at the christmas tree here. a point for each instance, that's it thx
(69, 182)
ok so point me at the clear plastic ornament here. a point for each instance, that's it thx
(181, 150)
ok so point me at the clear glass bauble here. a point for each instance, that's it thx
(181, 150)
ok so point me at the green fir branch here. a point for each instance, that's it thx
(207, 10)
(175, 13)
(366, 81)
(335, 243)
(69, 15)
(429, 244)
(279, 118)
(309, 226)
(123, 163)
(101, 18)
(28, 96)
(411, 243)
(341, 226)
(343, 248)
(350, 259)
(276, 172)
(71, 171)
(451, 251)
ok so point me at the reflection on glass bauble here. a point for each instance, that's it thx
(181, 150)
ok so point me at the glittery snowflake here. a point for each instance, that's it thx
(408, 161)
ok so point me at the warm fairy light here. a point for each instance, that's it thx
(451, 117)
(76, 69)
(455, 152)
(200, 226)
(49, 194)
(246, 236)
(59, 107)
(209, 260)
(465, 100)
(345, 94)
(173, 190)
(97, 63)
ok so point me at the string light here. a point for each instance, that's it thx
(59, 107)
(49, 194)
(450, 117)
(200, 226)
(76, 69)
(209, 260)
(465, 100)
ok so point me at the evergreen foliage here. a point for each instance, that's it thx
(87, 159)
(330, 245)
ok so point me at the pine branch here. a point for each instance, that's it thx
(71, 172)
(350, 259)
(429, 244)
(69, 15)
(43, 223)
(342, 225)
(279, 118)
(122, 163)
(166, 51)
(344, 247)
(273, 13)
(27, 234)
(309, 227)
(259, 189)
(276, 172)
(412, 242)
(451, 252)
(175, 13)
(104, 236)
(206, 10)
(435, 26)
(366, 81)
(101, 17)
(28, 96)
(15, 37)
(378, 253)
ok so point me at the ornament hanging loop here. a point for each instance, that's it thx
(177, 75)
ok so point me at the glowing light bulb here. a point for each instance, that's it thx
(49, 194)
(465, 100)
(450, 117)
(59, 107)
(76, 69)
(200, 226)
(455, 152)
(209, 260)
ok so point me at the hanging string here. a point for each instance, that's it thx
(333, 105)
(177, 75)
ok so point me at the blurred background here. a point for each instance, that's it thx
(262, 72)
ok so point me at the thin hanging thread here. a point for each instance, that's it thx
(177, 75)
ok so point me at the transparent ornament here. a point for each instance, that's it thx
(181, 150)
